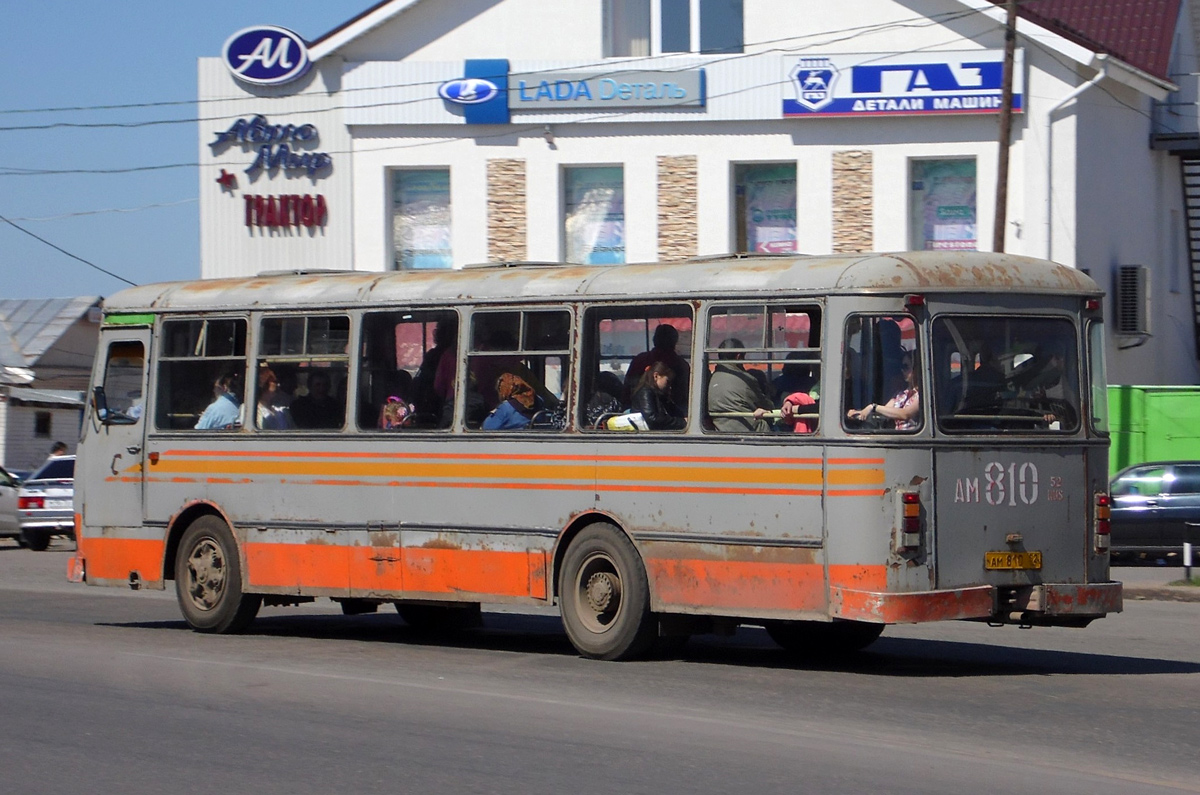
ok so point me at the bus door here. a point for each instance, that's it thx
(112, 454)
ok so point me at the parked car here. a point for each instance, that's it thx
(10, 521)
(1152, 506)
(46, 502)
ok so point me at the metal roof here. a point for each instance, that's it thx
(47, 397)
(35, 324)
(927, 271)
(1139, 32)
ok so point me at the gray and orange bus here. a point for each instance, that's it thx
(442, 440)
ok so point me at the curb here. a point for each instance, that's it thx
(1162, 593)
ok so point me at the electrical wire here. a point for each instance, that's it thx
(68, 253)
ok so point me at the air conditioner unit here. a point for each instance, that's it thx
(1131, 299)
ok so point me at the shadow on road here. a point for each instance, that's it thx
(749, 646)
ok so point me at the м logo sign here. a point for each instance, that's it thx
(910, 84)
(266, 55)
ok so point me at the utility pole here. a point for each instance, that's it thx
(1006, 102)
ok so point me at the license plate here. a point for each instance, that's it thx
(1012, 560)
(59, 504)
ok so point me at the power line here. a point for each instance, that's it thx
(69, 254)
(856, 31)
(111, 210)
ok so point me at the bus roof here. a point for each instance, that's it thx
(733, 276)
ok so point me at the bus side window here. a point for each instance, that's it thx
(202, 366)
(407, 365)
(883, 388)
(303, 368)
(763, 368)
(518, 369)
(619, 344)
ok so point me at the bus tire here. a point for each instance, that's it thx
(208, 579)
(605, 596)
(435, 619)
(823, 639)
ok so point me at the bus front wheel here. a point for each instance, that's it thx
(823, 639)
(605, 596)
(208, 579)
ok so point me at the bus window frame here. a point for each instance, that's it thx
(920, 357)
(466, 336)
(261, 360)
(709, 353)
(694, 310)
(358, 340)
(157, 357)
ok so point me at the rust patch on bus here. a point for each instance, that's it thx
(440, 543)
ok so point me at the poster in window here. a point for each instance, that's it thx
(767, 205)
(595, 215)
(421, 219)
(943, 194)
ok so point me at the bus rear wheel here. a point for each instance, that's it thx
(208, 579)
(605, 596)
(823, 639)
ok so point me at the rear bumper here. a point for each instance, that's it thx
(1049, 603)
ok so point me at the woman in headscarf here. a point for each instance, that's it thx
(518, 403)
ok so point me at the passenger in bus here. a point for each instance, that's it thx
(268, 416)
(425, 396)
(666, 337)
(653, 401)
(605, 399)
(903, 408)
(518, 403)
(736, 401)
(793, 406)
(318, 409)
(795, 377)
(225, 411)
(396, 412)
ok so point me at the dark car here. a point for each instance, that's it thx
(1152, 504)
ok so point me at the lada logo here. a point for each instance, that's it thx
(468, 90)
(266, 55)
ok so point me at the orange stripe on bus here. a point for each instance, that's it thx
(856, 461)
(115, 558)
(223, 454)
(418, 570)
(866, 578)
(738, 585)
(856, 492)
(854, 477)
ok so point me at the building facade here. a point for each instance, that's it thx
(434, 134)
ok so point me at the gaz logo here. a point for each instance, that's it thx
(468, 90)
(266, 55)
(814, 79)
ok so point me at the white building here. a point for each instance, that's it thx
(431, 133)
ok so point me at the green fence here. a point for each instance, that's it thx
(1153, 423)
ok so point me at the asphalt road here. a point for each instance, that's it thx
(102, 690)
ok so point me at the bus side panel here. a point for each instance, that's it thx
(733, 530)
(861, 501)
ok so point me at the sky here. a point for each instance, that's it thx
(143, 226)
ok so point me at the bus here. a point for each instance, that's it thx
(849, 442)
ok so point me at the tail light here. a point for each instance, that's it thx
(25, 503)
(908, 526)
(1103, 521)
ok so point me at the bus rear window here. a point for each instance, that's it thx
(1005, 374)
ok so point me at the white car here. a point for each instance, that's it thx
(46, 502)
(10, 522)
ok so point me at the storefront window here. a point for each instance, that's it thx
(765, 207)
(720, 25)
(594, 204)
(421, 219)
(943, 205)
(626, 28)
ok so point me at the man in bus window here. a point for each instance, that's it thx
(225, 411)
(666, 337)
(736, 401)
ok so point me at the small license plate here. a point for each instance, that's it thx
(1012, 560)
(58, 504)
